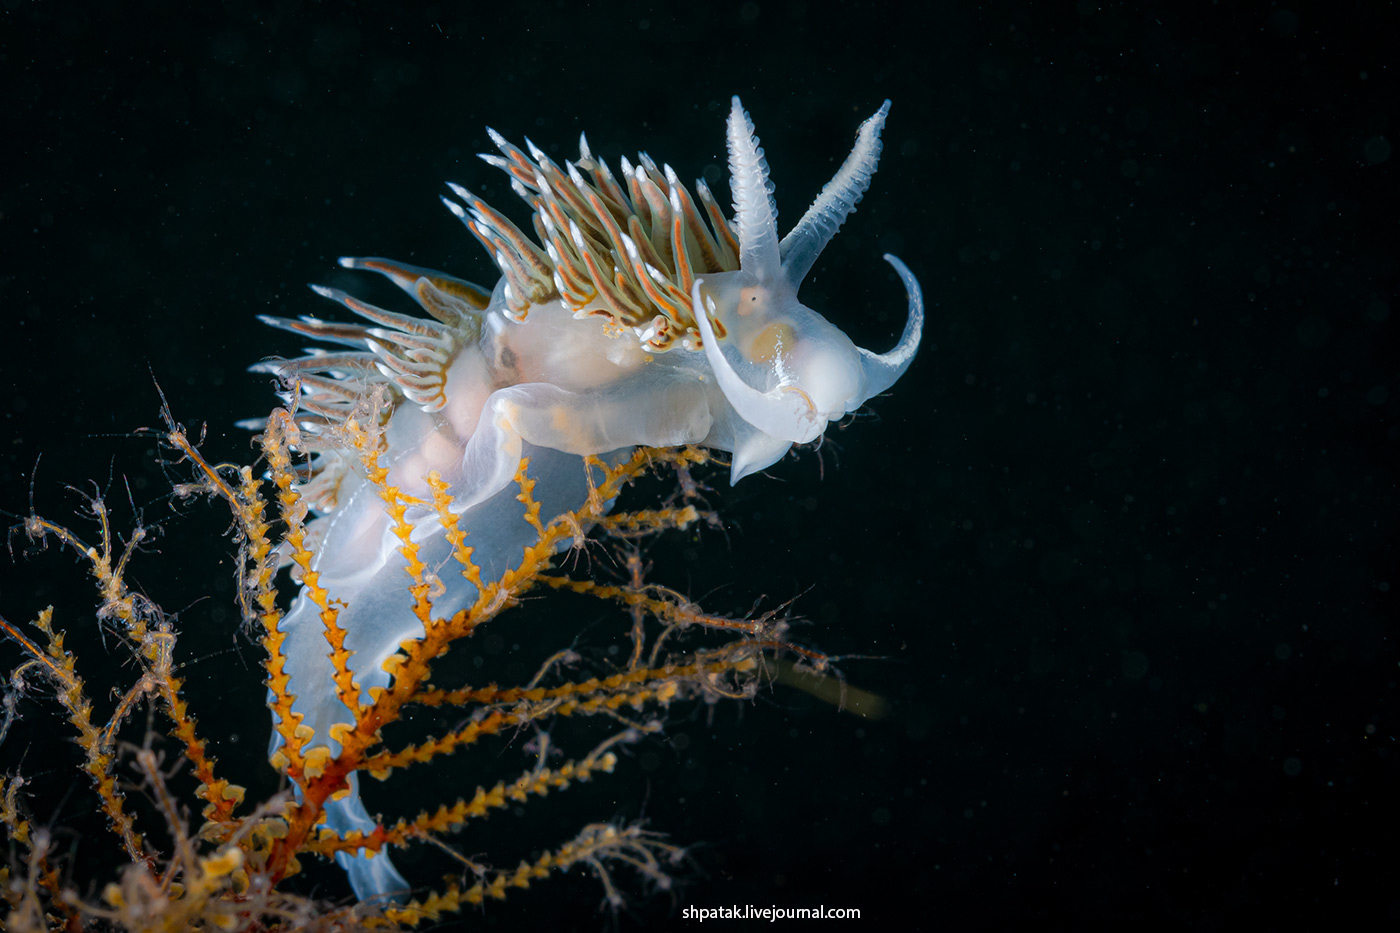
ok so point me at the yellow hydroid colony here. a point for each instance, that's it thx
(227, 874)
(417, 486)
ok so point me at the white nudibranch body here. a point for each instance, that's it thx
(633, 317)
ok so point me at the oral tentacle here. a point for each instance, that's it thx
(786, 412)
(882, 370)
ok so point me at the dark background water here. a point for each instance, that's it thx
(1119, 549)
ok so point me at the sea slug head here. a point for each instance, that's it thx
(784, 369)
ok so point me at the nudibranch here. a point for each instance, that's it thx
(634, 316)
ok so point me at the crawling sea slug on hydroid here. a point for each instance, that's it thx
(633, 316)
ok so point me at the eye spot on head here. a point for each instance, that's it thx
(748, 301)
(772, 342)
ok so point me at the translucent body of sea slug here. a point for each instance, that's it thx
(632, 317)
